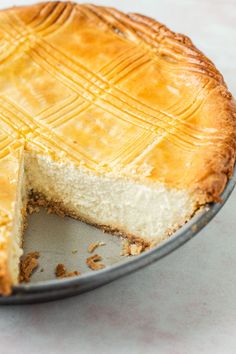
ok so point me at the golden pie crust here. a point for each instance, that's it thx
(113, 92)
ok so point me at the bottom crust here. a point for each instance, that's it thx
(39, 200)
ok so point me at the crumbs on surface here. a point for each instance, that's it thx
(53, 209)
(27, 265)
(32, 209)
(94, 245)
(74, 251)
(61, 272)
(131, 249)
(93, 262)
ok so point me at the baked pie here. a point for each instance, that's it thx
(110, 118)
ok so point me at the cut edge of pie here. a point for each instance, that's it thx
(143, 197)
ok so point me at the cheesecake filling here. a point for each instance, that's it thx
(121, 204)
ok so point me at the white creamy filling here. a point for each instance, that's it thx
(131, 207)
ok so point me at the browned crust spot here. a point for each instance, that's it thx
(93, 262)
(27, 265)
(61, 272)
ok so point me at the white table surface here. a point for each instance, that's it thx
(183, 304)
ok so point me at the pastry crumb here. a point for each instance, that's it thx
(93, 262)
(61, 272)
(125, 248)
(132, 249)
(27, 265)
(74, 251)
(54, 210)
(95, 245)
(32, 209)
(42, 270)
(49, 210)
(135, 249)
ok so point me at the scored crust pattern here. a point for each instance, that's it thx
(102, 89)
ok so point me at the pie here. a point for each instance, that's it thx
(110, 118)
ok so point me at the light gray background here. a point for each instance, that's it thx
(183, 304)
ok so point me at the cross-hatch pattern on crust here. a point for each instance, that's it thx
(90, 88)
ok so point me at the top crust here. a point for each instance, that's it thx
(163, 112)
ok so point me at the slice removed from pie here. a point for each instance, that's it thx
(110, 118)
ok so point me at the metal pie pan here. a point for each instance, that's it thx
(48, 290)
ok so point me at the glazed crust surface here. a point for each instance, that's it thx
(118, 93)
